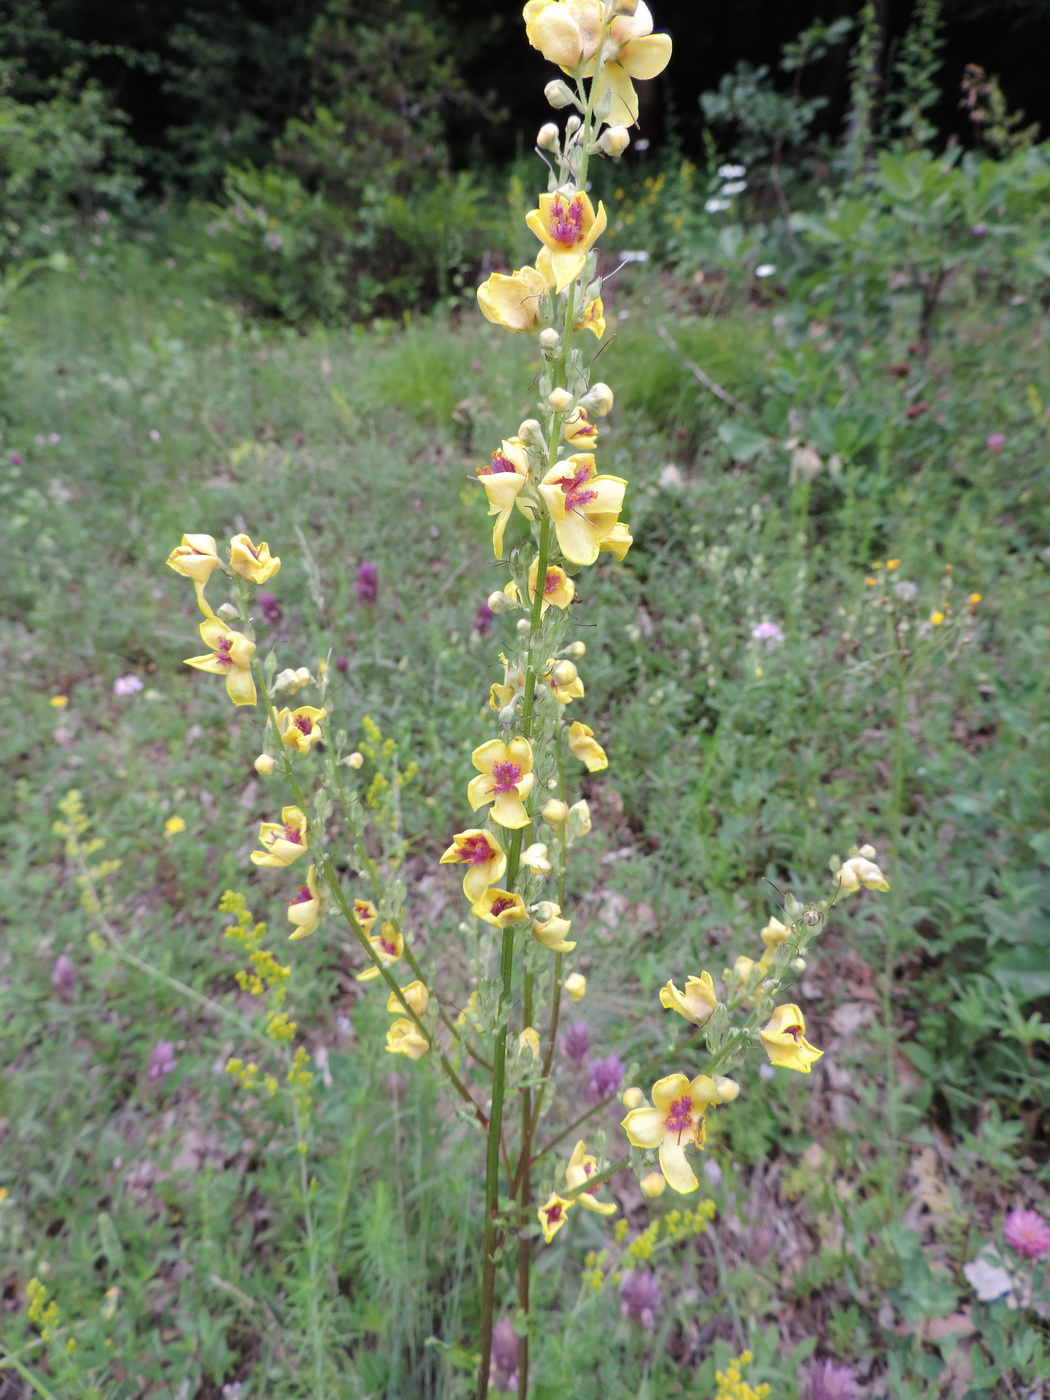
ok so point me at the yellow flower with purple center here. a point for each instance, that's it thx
(580, 1169)
(483, 854)
(553, 1214)
(566, 32)
(784, 1038)
(585, 508)
(405, 1038)
(501, 693)
(300, 729)
(252, 561)
(584, 746)
(564, 681)
(503, 479)
(695, 1003)
(499, 908)
(305, 909)
(282, 841)
(558, 587)
(568, 226)
(578, 430)
(674, 1120)
(550, 928)
(366, 914)
(389, 945)
(196, 557)
(230, 656)
(505, 779)
(592, 318)
(415, 994)
(514, 301)
(631, 51)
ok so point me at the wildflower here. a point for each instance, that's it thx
(585, 508)
(270, 607)
(995, 442)
(614, 140)
(58, 702)
(195, 558)
(731, 172)
(696, 1003)
(503, 480)
(405, 1038)
(631, 50)
(592, 318)
(731, 1383)
(632, 1097)
(1027, 1232)
(564, 681)
(514, 302)
(505, 779)
(483, 854)
(230, 656)
(717, 206)
(553, 1214)
(581, 1168)
(677, 1111)
(734, 188)
(859, 870)
(300, 729)
(283, 841)
(829, 1382)
(529, 1040)
(566, 32)
(389, 945)
(288, 682)
(640, 1296)
(482, 620)
(567, 226)
(576, 1041)
(973, 599)
(550, 929)
(127, 685)
(558, 587)
(774, 934)
(578, 430)
(63, 977)
(606, 1076)
(161, 1060)
(765, 270)
(653, 1184)
(767, 632)
(504, 1356)
(251, 561)
(579, 819)
(936, 618)
(499, 908)
(534, 859)
(355, 760)
(305, 909)
(555, 812)
(784, 1037)
(366, 586)
(575, 986)
(174, 825)
(264, 765)
(501, 693)
(584, 746)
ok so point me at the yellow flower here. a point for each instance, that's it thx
(696, 1003)
(415, 994)
(584, 746)
(58, 702)
(553, 1214)
(555, 812)
(252, 561)
(366, 914)
(483, 854)
(230, 656)
(892, 564)
(300, 729)
(592, 318)
(575, 986)
(585, 508)
(784, 1037)
(503, 480)
(564, 681)
(502, 693)
(550, 929)
(284, 841)
(529, 1040)
(566, 32)
(631, 50)
(505, 779)
(390, 945)
(174, 825)
(196, 557)
(567, 226)
(305, 909)
(515, 302)
(578, 430)
(405, 1038)
(775, 933)
(936, 618)
(558, 587)
(653, 1184)
(580, 1168)
(857, 871)
(677, 1112)
(973, 600)
(499, 908)
(580, 818)
(534, 858)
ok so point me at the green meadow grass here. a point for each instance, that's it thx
(736, 769)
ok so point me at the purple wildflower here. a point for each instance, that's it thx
(482, 623)
(1028, 1233)
(270, 607)
(16, 459)
(127, 685)
(161, 1060)
(767, 632)
(576, 1042)
(367, 586)
(640, 1296)
(829, 1382)
(995, 442)
(63, 978)
(504, 1356)
(606, 1077)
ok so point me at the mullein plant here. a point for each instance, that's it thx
(497, 1050)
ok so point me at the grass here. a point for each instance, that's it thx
(734, 766)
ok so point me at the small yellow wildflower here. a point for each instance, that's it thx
(784, 1038)
(553, 1214)
(174, 825)
(305, 909)
(505, 779)
(252, 561)
(575, 986)
(58, 702)
(300, 729)
(405, 1038)
(937, 618)
(731, 1383)
(389, 944)
(584, 746)
(484, 857)
(516, 302)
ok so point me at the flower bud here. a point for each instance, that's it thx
(580, 818)
(632, 1098)
(554, 812)
(654, 1184)
(545, 911)
(573, 124)
(624, 7)
(523, 626)
(547, 137)
(550, 340)
(227, 612)
(614, 140)
(576, 650)
(575, 986)
(355, 760)
(598, 399)
(564, 673)
(559, 94)
(264, 765)
(560, 400)
(531, 433)
(509, 714)
(499, 602)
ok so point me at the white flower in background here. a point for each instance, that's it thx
(717, 206)
(734, 187)
(765, 270)
(731, 172)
